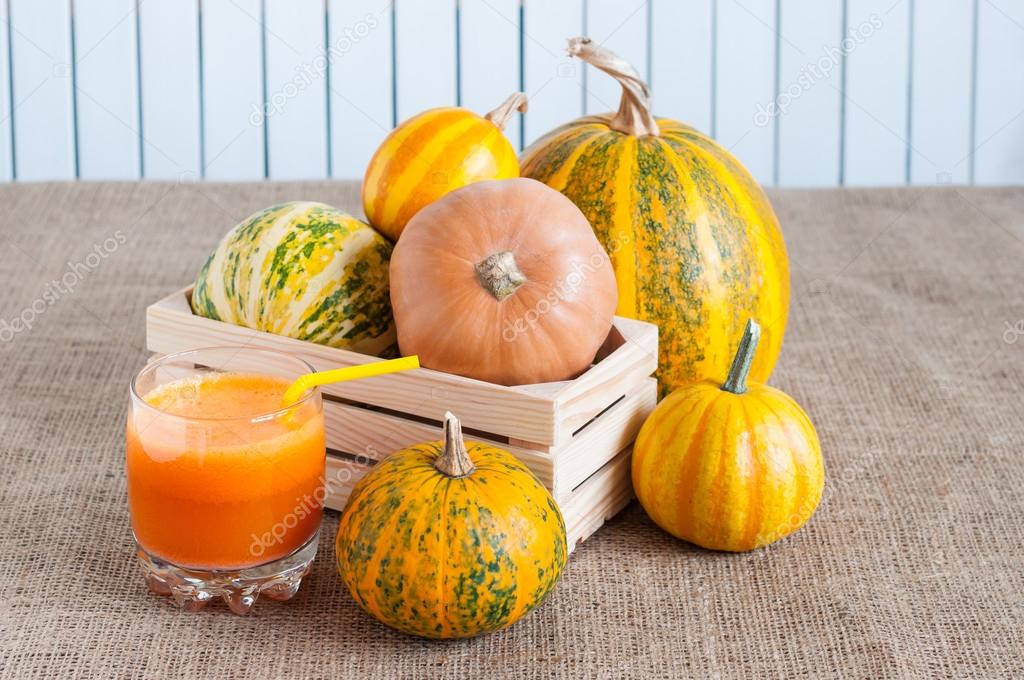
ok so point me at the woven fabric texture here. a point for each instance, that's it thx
(905, 345)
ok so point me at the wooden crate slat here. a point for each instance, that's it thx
(598, 499)
(372, 435)
(602, 439)
(171, 327)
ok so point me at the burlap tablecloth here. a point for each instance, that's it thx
(905, 346)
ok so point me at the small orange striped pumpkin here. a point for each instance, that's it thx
(729, 467)
(433, 153)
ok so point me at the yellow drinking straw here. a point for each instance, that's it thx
(310, 380)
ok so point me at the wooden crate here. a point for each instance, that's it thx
(575, 435)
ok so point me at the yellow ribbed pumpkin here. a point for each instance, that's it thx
(450, 539)
(433, 153)
(694, 242)
(729, 467)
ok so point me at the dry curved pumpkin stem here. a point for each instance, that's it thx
(634, 116)
(499, 274)
(454, 461)
(515, 102)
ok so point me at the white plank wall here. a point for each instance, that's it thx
(804, 92)
(745, 81)
(553, 82)
(941, 101)
(234, 142)
(807, 106)
(681, 48)
(877, 92)
(42, 88)
(106, 84)
(425, 68)
(296, 89)
(6, 160)
(999, 137)
(169, 67)
(361, 92)
(489, 57)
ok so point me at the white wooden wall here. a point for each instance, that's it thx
(805, 92)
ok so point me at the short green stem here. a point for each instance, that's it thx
(737, 380)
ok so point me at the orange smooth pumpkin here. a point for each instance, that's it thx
(502, 281)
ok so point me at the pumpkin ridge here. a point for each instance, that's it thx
(393, 140)
(511, 468)
(650, 443)
(754, 230)
(679, 280)
(518, 608)
(621, 236)
(453, 142)
(412, 170)
(405, 140)
(756, 478)
(687, 484)
(719, 489)
(789, 503)
(380, 556)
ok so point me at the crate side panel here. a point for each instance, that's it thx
(371, 435)
(604, 438)
(598, 499)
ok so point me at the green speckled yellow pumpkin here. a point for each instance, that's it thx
(304, 270)
(450, 539)
(693, 240)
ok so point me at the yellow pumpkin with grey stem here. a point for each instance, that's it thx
(730, 466)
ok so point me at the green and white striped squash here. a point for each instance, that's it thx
(304, 270)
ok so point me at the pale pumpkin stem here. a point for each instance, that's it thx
(737, 380)
(499, 274)
(454, 461)
(634, 116)
(501, 115)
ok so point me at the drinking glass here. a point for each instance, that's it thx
(225, 486)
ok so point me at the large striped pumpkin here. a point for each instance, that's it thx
(694, 242)
(433, 153)
(304, 270)
(729, 466)
(450, 539)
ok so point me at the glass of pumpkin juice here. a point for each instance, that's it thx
(225, 487)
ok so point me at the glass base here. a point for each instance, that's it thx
(192, 589)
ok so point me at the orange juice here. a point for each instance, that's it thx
(219, 477)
